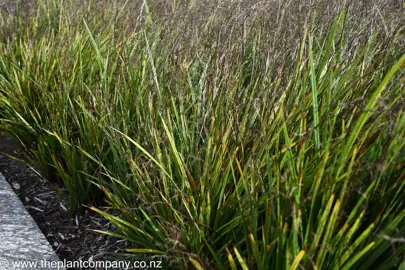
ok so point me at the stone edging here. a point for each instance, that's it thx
(21, 240)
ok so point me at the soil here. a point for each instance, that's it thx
(71, 236)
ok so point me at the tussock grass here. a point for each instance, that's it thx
(234, 134)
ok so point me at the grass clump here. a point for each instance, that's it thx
(230, 135)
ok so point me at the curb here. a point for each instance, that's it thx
(23, 245)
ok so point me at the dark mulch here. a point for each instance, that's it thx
(71, 237)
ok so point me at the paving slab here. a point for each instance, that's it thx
(21, 240)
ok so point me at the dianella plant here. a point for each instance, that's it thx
(219, 134)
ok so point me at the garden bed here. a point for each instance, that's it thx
(71, 236)
(221, 134)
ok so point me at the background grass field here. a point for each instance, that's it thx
(222, 134)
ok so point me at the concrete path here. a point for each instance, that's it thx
(22, 244)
